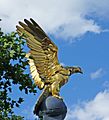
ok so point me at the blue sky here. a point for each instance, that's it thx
(80, 29)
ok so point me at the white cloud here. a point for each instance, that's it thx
(106, 84)
(100, 8)
(96, 109)
(63, 18)
(97, 74)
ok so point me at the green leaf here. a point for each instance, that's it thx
(17, 105)
(20, 100)
(20, 88)
(9, 99)
(10, 90)
(12, 52)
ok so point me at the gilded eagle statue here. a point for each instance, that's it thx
(46, 71)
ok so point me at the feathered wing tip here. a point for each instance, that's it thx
(34, 73)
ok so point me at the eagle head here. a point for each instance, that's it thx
(75, 70)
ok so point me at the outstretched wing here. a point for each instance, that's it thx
(43, 50)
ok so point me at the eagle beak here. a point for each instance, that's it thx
(81, 72)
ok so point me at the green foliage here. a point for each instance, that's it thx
(12, 72)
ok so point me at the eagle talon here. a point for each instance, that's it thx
(56, 96)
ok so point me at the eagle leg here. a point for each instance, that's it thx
(55, 89)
